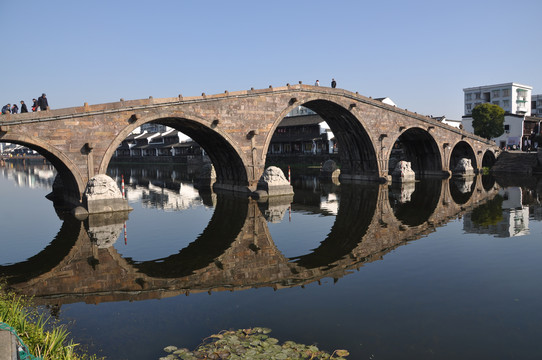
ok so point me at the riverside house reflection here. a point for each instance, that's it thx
(236, 251)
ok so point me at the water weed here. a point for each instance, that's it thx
(38, 332)
(251, 344)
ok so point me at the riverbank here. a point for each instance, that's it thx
(43, 339)
(518, 162)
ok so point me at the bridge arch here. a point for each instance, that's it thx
(357, 154)
(232, 169)
(417, 146)
(462, 149)
(488, 159)
(72, 183)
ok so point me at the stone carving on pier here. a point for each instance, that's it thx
(329, 170)
(273, 183)
(274, 208)
(403, 172)
(464, 168)
(464, 185)
(102, 195)
(402, 192)
(104, 229)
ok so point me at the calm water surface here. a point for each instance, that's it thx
(439, 270)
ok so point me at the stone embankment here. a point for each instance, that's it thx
(518, 163)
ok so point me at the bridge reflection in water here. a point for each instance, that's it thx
(236, 251)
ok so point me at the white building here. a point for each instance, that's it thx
(514, 98)
(536, 105)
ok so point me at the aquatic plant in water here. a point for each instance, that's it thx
(250, 344)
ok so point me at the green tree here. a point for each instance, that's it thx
(488, 120)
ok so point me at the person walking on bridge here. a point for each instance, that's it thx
(42, 102)
(34, 105)
(333, 83)
(24, 109)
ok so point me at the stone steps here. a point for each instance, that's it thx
(8, 346)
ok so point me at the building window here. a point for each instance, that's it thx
(506, 103)
(522, 95)
(505, 92)
(468, 97)
(469, 107)
(477, 96)
(496, 93)
(507, 127)
(496, 102)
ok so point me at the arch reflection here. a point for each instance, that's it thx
(414, 203)
(461, 189)
(357, 207)
(236, 250)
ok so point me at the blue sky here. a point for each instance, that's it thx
(421, 54)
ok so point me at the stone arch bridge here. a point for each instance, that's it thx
(235, 129)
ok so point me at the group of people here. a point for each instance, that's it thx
(39, 104)
(333, 83)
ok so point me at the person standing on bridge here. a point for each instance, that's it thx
(317, 83)
(24, 109)
(14, 109)
(333, 83)
(34, 105)
(42, 102)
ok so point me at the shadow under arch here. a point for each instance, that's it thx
(70, 188)
(47, 259)
(229, 166)
(418, 147)
(461, 189)
(422, 204)
(357, 208)
(489, 159)
(356, 152)
(488, 182)
(225, 225)
(462, 150)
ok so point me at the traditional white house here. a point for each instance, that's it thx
(386, 100)
(444, 120)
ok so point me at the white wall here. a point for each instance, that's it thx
(514, 134)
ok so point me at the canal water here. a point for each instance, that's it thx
(434, 270)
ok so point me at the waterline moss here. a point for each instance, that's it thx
(250, 344)
(42, 337)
